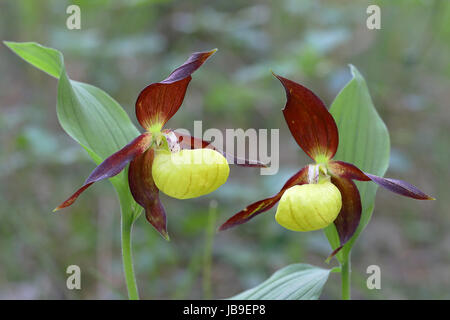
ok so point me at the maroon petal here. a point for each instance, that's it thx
(309, 121)
(112, 165)
(145, 192)
(400, 187)
(348, 219)
(263, 205)
(189, 142)
(346, 170)
(350, 171)
(158, 102)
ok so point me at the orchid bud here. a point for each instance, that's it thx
(189, 173)
(309, 207)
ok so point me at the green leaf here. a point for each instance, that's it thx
(363, 141)
(46, 59)
(88, 114)
(294, 282)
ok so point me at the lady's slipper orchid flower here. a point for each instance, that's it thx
(324, 192)
(179, 165)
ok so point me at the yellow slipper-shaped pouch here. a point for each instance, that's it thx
(309, 207)
(189, 173)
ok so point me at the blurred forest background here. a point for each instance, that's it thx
(125, 45)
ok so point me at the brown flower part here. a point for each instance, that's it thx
(155, 105)
(315, 131)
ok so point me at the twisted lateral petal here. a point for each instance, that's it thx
(309, 121)
(350, 171)
(189, 142)
(400, 187)
(145, 192)
(263, 205)
(112, 165)
(158, 102)
(348, 219)
(347, 170)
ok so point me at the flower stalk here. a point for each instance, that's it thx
(346, 277)
(207, 254)
(127, 258)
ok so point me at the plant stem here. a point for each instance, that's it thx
(127, 258)
(207, 254)
(346, 277)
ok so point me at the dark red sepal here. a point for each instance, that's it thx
(158, 102)
(332, 254)
(301, 177)
(112, 165)
(348, 219)
(189, 142)
(146, 193)
(309, 121)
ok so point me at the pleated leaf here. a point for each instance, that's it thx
(88, 114)
(45, 59)
(294, 282)
(364, 142)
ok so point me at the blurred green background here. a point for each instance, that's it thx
(124, 45)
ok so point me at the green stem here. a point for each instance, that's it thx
(207, 254)
(346, 277)
(127, 259)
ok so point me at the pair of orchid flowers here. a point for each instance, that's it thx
(185, 167)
